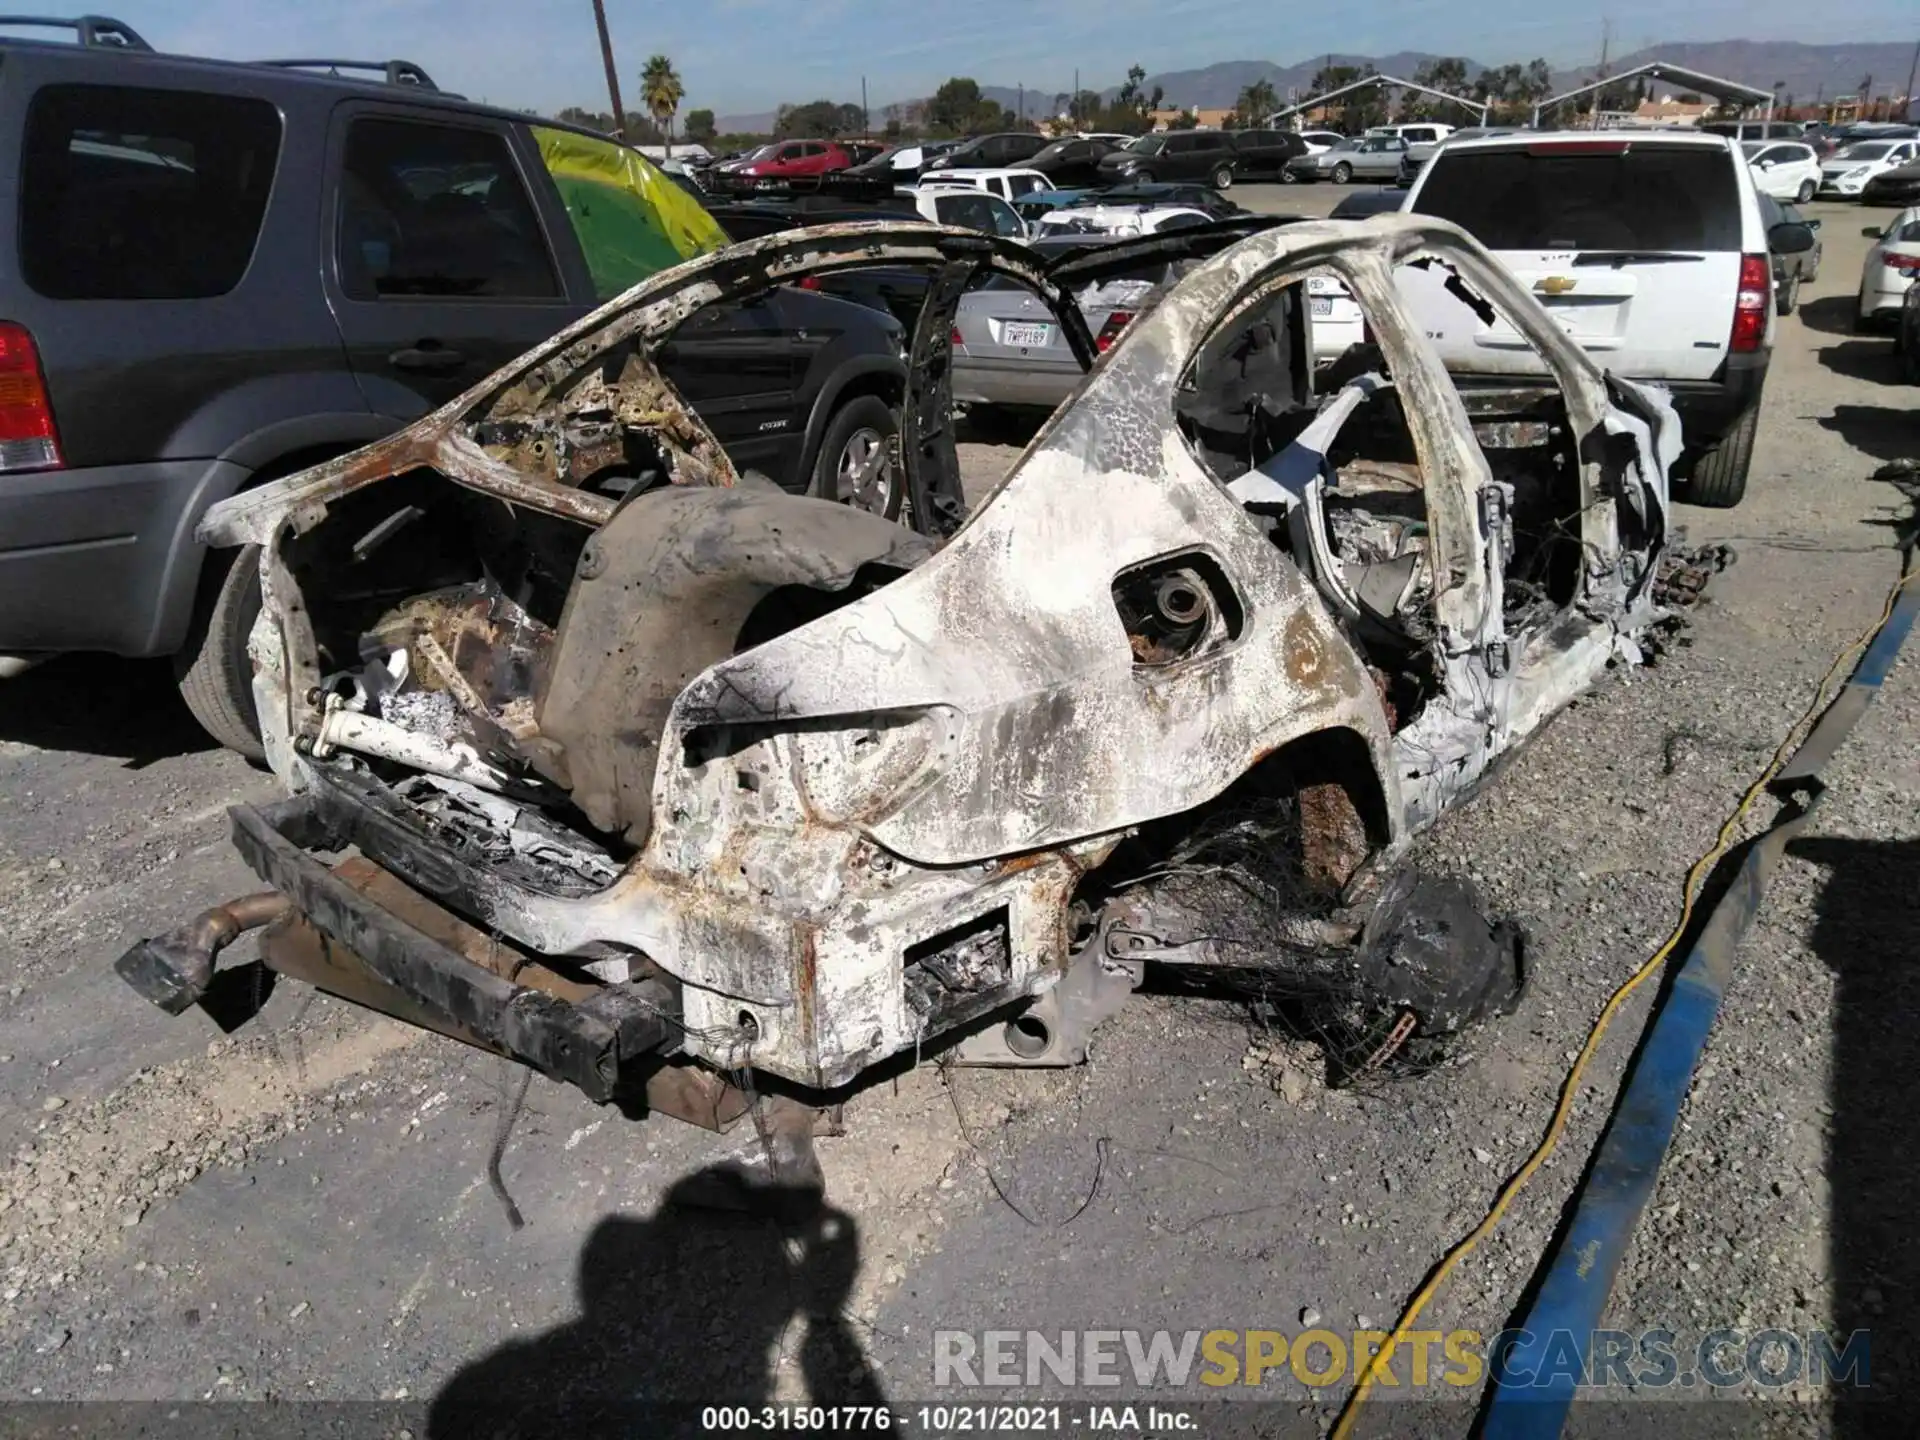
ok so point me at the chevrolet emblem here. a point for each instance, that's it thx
(1555, 284)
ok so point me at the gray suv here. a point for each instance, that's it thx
(221, 273)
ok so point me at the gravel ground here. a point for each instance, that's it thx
(298, 1210)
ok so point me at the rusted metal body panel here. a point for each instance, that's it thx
(914, 783)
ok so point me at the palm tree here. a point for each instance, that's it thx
(661, 92)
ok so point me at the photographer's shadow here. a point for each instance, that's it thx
(689, 1308)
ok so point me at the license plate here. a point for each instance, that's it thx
(1322, 304)
(1025, 336)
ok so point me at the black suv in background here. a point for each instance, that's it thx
(1070, 163)
(1204, 155)
(219, 273)
(990, 152)
(1263, 154)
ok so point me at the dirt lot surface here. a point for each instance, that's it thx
(298, 1210)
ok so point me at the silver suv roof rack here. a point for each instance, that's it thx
(95, 31)
(396, 72)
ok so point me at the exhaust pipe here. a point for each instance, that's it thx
(173, 970)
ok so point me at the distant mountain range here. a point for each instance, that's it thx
(1804, 71)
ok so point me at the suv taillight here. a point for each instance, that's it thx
(1750, 306)
(1110, 332)
(28, 440)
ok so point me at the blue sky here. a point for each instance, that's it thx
(737, 56)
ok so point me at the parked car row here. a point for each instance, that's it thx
(1845, 174)
(1039, 206)
(1825, 139)
(784, 159)
(1219, 158)
(1880, 165)
(1385, 152)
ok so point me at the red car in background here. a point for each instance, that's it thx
(785, 159)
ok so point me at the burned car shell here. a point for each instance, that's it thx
(931, 769)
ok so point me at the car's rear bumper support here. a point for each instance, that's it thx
(410, 957)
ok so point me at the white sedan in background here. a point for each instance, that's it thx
(1846, 172)
(1335, 320)
(1784, 169)
(1333, 313)
(1118, 220)
(1892, 264)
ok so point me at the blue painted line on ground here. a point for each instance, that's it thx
(1885, 649)
(1537, 1376)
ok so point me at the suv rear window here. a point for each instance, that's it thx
(130, 194)
(1625, 196)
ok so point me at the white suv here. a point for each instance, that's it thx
(1009, 185)
(1651, 252)
(1424, 132)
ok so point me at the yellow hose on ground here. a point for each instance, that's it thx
(1570, 1087)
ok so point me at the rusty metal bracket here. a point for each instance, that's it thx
(1056, 1029)
(1123, 942)
(590, 1042)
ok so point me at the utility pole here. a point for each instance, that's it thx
(866, 127)
(613, 75)
(1073, 105)
(1600, 95)
(1023, 102)
(1912, 71)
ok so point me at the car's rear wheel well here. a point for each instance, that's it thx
(1297, 826)
(1340, 756)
